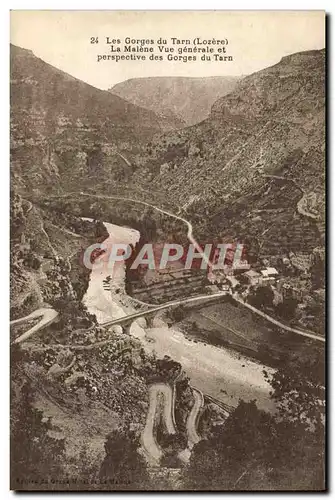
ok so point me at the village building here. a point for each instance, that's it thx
(269, 272)
(291, 292)
(301, 261)
(287, 290)
(253, 277)
(241, 265)
(269, 275)
(233, 282)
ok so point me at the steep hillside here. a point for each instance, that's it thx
(40, 240)
(63, 129)
(189, 100)
(254, 170)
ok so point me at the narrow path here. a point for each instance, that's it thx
(285, 179)
(48, 239)
(124, 158)
(64, 230)
(56, 370)
(30, 205)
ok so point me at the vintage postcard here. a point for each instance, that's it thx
(167, 253)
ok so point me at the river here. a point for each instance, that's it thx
(219, 372)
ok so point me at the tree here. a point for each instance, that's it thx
(123, 468)
(17, 217)
(299, 390)
(286, 309)
(253, 451)
(256, 450)
(100, 231)
(36, 457)
(318, 271)
(262, 297)
(178, 313)
(219, 462)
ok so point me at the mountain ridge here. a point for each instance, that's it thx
(188, 98)
(60, 124)
(271, 125)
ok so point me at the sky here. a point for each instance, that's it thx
(256, 39)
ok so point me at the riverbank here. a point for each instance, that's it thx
(219, 372)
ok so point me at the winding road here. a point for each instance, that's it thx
(48, 316)
(152, 450)
(191, 424)
(165, 212)
(191, 238)
(149, 443)
(205, 258)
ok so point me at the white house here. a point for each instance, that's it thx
(254, 277)
(269, 272)
(269, 275)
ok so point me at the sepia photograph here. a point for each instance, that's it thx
(167, 251)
